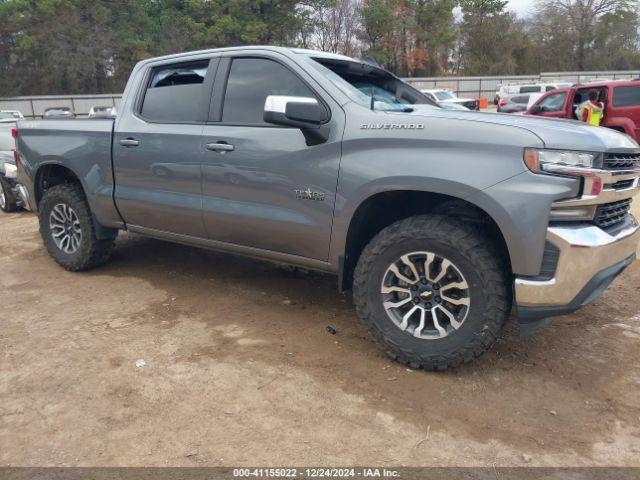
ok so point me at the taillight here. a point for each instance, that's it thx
(502, 103)
(16, 157)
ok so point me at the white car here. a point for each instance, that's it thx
(10, 115)
(443, 97)
(506, 91)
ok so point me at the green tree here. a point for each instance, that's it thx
(484, 41)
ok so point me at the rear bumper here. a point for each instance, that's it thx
(589, 260)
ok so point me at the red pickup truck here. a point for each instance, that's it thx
(621, 100)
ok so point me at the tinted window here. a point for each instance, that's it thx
(251, 81)
(531, 89)
(175, 92)
(520, 99)
(626, 96)
(553, 103)
(549, 88)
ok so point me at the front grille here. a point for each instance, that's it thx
(621, 161)
(612, 213)
(621, 185)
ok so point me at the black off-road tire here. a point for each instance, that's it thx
(92, 252)
(482, 266)
(10, 204)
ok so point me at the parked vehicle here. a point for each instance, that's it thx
(454, 106)
(10, 199)
(506, 91)
(10, 115)
(447, 97)
(102, 112)
(621, 100)
(517, 103)
(58, 112)
(438, 220)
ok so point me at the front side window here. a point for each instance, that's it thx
(174, 93)
(553, 103)
(251, 81)
(628, 96)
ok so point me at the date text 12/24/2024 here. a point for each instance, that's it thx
(315, 472)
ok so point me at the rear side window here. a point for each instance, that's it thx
(174, 93)
(531, 89)
(628, 96)
(251, 81)
(520, 99)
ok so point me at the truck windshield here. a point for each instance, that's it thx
(361, 82)
(444, 95)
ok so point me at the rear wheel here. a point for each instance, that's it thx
(432, 292)
(67, 229)
(7, 200)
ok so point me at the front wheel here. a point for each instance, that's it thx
(432, 292)
(67, 229)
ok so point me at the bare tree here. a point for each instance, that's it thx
(582, 16)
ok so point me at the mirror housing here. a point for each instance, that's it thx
(300, 112)
(535, 109)
(305, 113)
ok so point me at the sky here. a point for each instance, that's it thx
(521, 7)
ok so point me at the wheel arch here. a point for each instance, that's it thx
(378, 211)
(54, 173)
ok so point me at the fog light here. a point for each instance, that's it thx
(572, 214)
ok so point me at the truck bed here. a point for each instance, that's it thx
(80, 145)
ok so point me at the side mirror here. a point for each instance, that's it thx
(535, 109)
(300, 112)
(305, 113)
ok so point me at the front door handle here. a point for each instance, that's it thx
(129, 142)
(221, 147)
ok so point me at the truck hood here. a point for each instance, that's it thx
(554, 133)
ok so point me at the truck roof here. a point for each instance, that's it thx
(284, 50)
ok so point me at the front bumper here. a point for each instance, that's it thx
(589, 260)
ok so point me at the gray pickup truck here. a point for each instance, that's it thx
(441, 222)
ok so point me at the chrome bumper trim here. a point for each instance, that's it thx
(584, 252)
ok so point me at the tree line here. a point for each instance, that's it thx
(90, 46)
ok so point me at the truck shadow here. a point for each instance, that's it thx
(538, 393)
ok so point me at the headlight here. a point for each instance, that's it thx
(549, 160)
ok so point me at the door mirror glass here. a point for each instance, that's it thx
(300, 112)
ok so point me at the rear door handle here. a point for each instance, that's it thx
(129, 142)
(221, 147)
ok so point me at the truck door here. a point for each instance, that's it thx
(157, 152)
(263, 185)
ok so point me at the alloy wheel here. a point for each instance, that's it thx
(65, 228)
(425, 295)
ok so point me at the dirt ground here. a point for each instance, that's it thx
(240, 371)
